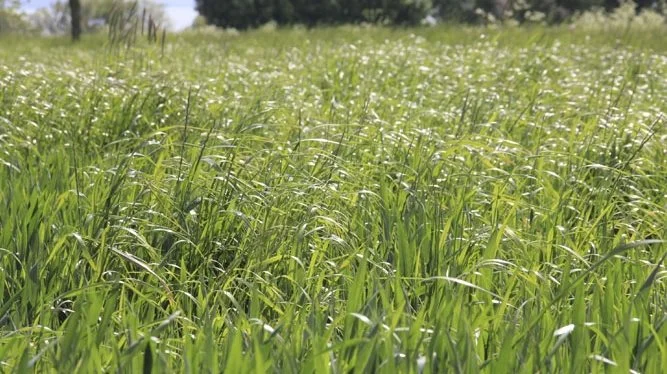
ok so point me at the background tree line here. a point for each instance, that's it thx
(244, 14)
(81, 16)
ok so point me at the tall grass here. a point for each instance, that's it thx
(339, 200)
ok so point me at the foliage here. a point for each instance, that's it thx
(553, 11)
(12, 20)
(199, 22)
(335, 200)
(625, 15)
(243, 14)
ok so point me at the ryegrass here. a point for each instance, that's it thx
(337, 200)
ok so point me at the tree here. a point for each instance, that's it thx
(243, 14)
(406, 12)
(51, 21)
(11, 18)
(75, 16)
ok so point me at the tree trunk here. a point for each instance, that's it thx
(75, 12)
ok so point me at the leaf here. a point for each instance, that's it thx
(148, 358)
(654, 274)
(614, 252)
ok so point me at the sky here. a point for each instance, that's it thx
(181, 12)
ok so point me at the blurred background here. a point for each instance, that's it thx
(179, 13)
(55, 17)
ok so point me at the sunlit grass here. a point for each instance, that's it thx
(335, 200)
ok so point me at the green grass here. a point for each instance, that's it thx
(333, 201)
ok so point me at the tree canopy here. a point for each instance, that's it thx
(244, 14)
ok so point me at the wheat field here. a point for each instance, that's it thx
(341, 200)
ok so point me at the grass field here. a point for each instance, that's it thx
(333, 201)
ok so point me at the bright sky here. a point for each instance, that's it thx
(181, 12)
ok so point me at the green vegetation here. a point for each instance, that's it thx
(335, 200)
(243, 14)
